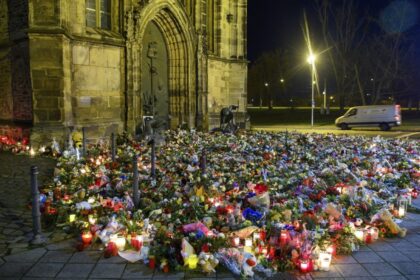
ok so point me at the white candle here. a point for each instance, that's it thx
(401, 211)
(77, 154)
(248, 242)
(324, 261)
(359, 233)
(236, 241)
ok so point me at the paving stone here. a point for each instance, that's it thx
(381, 269)
(135, 270)
(45, 270)
(407, 268)
(85, 257)
(343, 259)
(413, 255)
(404, 246)
(27, 256)
(394, 277)
(116, 259)
(367, 257)
(413, 277)
(80, 270)
(62, 245)
(393, 256)
(351, 270)
(107, 270)
(61, 256)
(381, 246)
(358, 278)
(333, 272)
(177, 276)
(189, 274)
(364, 248)
(10, 269)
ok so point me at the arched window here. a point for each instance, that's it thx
(98, 13)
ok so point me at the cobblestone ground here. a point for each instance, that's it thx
(15, 191)
(397, 258)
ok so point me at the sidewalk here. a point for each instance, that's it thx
(397, 258)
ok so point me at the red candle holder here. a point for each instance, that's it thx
(87, 237)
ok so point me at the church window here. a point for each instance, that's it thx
(98, 13)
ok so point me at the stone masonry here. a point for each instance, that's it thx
(61, 70)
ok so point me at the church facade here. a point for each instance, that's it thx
(106, 64)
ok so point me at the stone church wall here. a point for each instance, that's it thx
(97, 98)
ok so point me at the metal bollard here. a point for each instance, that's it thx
(136, 194)
(153, 159)
(84, 141)
(36, 215)
(113, 152)
(203, 162)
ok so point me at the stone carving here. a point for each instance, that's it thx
(132, 20)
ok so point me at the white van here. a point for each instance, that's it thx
(384, 116)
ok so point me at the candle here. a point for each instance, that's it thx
(86, 237)
(359, 233)
(236, 241)
(152, 262)
(77, 154)
(119, 241)
(248, 242)
(368, 238)
(283, 237)
(264, 251)
(324, 261)
(137, 242)
(401, 211)
(92, 219)
(304, 265)
(32, 152)
(72, 218)
(374, 232)
(256, 236)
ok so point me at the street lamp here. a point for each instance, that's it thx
(311, 61)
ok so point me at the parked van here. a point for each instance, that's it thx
(384, 116)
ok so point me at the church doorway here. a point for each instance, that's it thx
(154, 78)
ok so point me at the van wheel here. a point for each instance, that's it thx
(344, 126)
(384, 127)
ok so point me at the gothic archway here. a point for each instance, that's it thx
(172, 23)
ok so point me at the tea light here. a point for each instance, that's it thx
(359, 233)
(137, 242)
(87, 237)
(72, 218)
(304, 266)
(283, 237)
(264, 250)
(374, 232)
(236, 241)
(331, 249)
(324, 261)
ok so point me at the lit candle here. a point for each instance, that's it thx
(374, 232)
(77, 154)
(119, 241)
(331, 249)
(137, 242)
(236, 241)
(283, 237)
(92, 219)
(248, 242)
(359, 233)
(324, 261)
(304, 265)
(256, 236)
(264, 251)
(32, 152)
(72, 218)
(401, 211)
(86, 237)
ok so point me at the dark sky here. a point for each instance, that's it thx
(277, 23)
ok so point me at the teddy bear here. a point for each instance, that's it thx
(249, 262)
(386, 217)
(208, 262)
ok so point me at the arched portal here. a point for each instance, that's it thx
(162, 35)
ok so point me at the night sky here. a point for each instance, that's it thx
(274, 24)
(277, 23)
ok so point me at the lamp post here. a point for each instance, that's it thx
(311, 61)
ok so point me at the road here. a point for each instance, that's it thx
(411, 132)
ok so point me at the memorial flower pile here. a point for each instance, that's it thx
(252, 202)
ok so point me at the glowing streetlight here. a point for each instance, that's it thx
(311, 61)
(281, 80)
